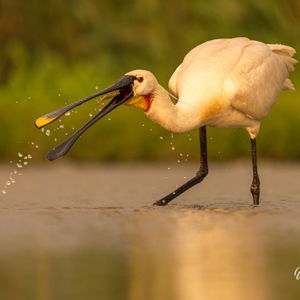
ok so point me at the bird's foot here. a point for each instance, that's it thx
(255, 193)
(161, 202)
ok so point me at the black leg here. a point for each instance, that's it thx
(203, 171)
(255, 183)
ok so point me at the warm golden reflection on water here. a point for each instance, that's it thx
(69, 233)
(204, 257)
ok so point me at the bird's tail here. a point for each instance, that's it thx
(285, 53)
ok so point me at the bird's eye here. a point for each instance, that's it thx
(140, 79)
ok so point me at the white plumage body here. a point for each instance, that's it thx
(222, 83)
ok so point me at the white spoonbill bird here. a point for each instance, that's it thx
(223, 83)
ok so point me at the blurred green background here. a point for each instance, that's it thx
(55, 52)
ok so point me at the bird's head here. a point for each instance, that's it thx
(142, 89)
(134, 89)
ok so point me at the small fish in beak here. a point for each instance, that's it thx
(108, 96)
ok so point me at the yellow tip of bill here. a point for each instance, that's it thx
(41, 122)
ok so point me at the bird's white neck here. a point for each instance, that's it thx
(176, 118)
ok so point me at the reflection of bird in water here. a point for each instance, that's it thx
(225, 83)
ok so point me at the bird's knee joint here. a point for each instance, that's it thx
(202, 173)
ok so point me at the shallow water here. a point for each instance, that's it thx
(89, 232)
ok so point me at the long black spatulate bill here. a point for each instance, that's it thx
(65, 146)
(125, 81)
(124, 85)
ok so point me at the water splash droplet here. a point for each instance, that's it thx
(3, 191)
(161, 137)
(48, 132)
(8, 182)
(173, 148)
(25, 163)
(29, 156)
(42, 129)
(61, 126)
(20, 154)
(67, 113)
(90, 115)
(19, 165)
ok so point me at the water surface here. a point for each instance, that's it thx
(72, 231)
